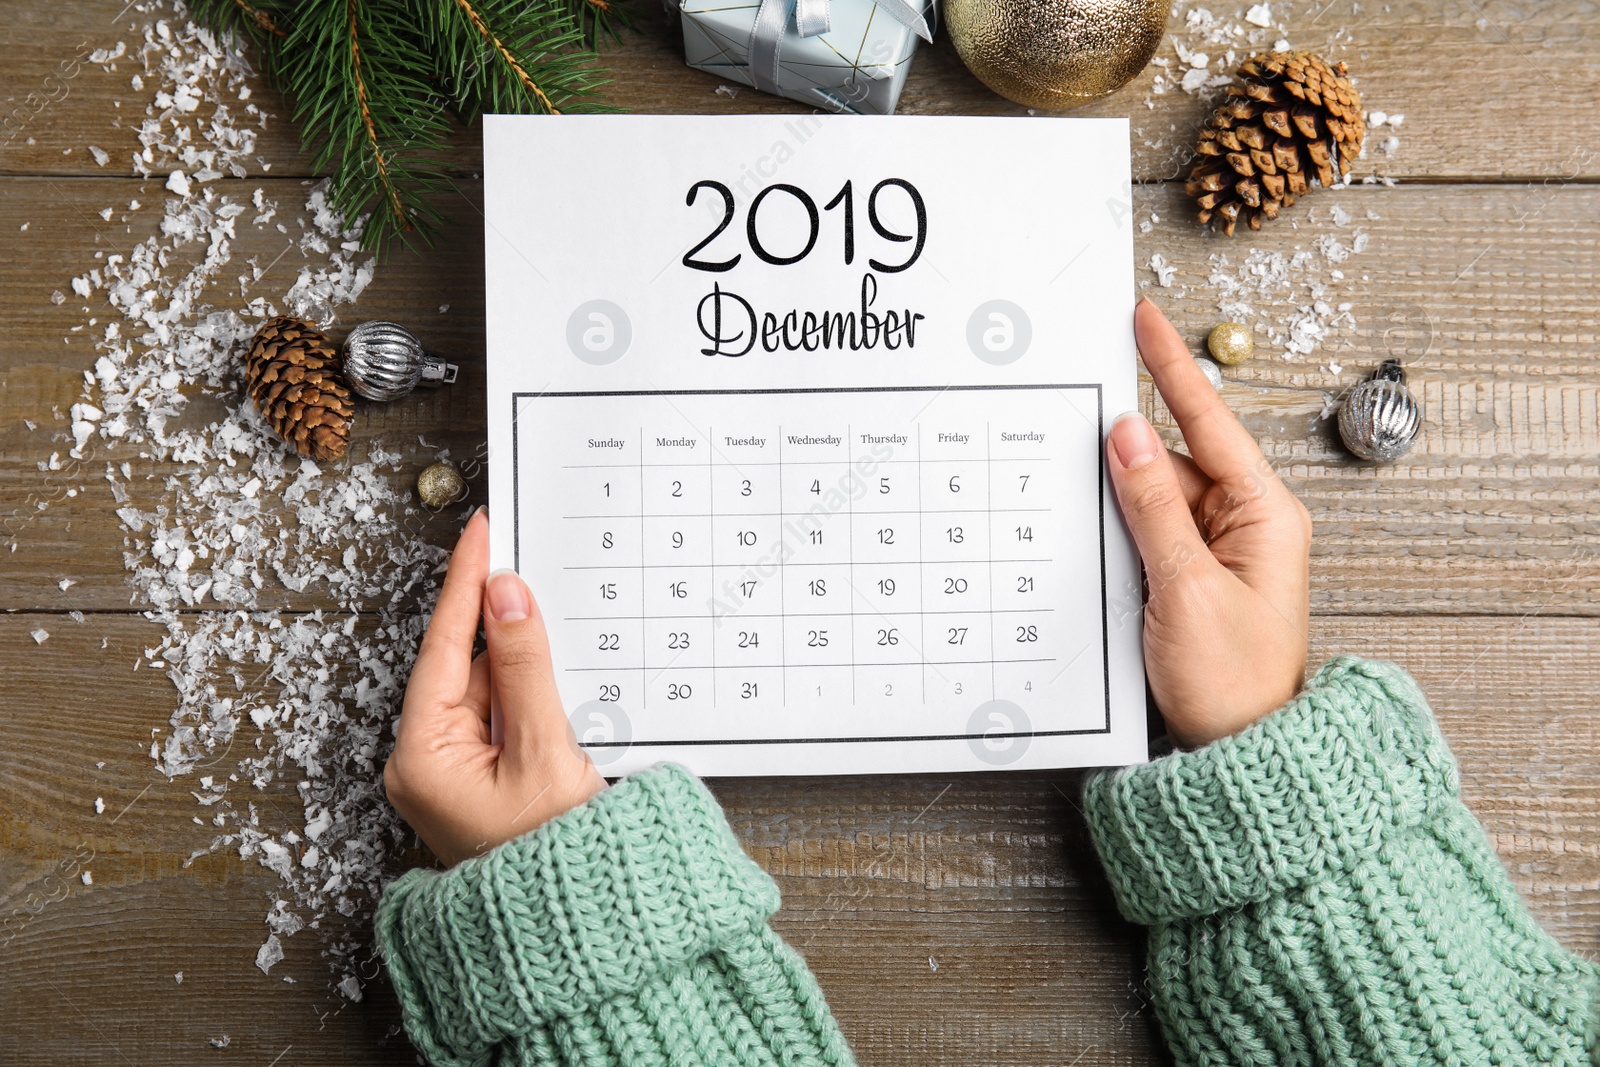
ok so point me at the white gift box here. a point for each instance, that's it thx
(846, 56)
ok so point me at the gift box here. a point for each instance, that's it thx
(848, 56)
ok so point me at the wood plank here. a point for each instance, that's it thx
(989, 876)
(976, 898)
(1494, 512)
(1518, 110)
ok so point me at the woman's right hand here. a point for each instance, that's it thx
(1226, 550)
(463, 791)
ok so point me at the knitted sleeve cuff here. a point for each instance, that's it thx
(1298, 796)
(610, 897)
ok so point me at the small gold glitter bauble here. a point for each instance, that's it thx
(1231, 343)
(1055, 54)
(441, 485)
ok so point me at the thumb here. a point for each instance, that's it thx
(526, 709)
(1152, 500)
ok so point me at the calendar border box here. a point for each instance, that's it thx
(1105, 635)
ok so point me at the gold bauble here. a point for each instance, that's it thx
(1231, 343)
(441, 485)
(1055, 54)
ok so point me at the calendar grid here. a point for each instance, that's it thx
(922, 578)
(644, 604)
(988, 488)
(817, 553)
(850, 550)
(711, 549)
(774, 615)
(706, 566)
(837, 663)
(783, 631)
(779, 514)
(769, 463)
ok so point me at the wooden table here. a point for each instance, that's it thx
(956, 919)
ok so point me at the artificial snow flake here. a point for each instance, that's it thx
(1305, 278)
(216, 514)
(269, 954)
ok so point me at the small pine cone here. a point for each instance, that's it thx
(293, 375)
(1294, 118)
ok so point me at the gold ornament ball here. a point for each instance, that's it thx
(1055, 54)
(441, 485)
(1231, 343)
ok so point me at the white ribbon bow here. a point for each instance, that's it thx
(811, 17)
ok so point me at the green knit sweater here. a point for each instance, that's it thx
(1315, 890)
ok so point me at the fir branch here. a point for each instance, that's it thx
(360, 100)
(598, 17)
(510, 60)
(263, 21)
(511, 57)
(384, 179)
(370, 82)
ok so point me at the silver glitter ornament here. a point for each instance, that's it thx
(1212, 371)
(385, 361)
(441, 485)
(1380, 418)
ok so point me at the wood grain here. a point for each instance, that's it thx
(975, 898)
(1487, 291)
(1492, 101)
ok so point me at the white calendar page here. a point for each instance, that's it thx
(795, 430)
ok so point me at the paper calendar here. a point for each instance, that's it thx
(796, 432)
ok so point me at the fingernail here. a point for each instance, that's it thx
(507, 597)
(1134, 440)
(481, 509)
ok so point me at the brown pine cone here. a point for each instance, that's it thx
(1296, 117)
(293, 375)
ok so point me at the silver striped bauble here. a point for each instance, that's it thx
(385, 361)
(1380, 418)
